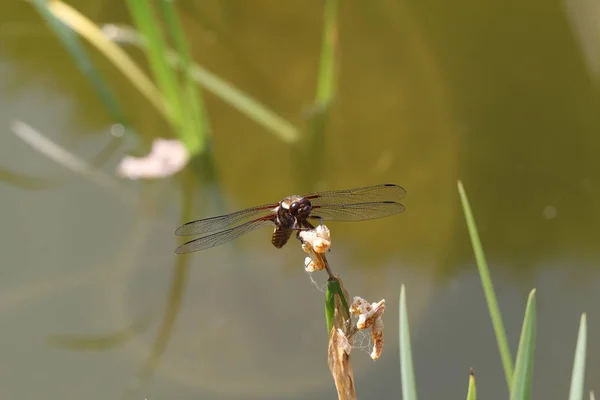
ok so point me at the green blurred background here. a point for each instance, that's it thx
(501, 95)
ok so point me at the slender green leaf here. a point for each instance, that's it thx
(143, 15)
(335, 289)
(194, 103)
(578, 375)
(247, 105)
(488, 288)
(330, 306)
(328, 64)
(409, 388)
(311, 153)
(521, 385)
(90, 31)
(472, 393)
(71, 43)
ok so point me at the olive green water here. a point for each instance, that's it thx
(501, 96)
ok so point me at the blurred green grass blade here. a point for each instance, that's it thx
(328, 64)
(409, 388)
(311, 151)
(195, 113)
(472, 393)
(521, 385)
(312, 148)
(247, 105)
(142, 14)
(90, 31)
(143, 17)
(578, 375)
(488, 288)
(592, 397)
(71, 43)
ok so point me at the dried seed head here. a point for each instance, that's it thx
(377, 336)
(315, 242)
(366, 312)
(319, 239)
(370, 316)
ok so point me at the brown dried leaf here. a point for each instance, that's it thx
(339, 364)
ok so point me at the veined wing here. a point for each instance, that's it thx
(213, 224)
(356, 212)
(222, 237)
(367, 194)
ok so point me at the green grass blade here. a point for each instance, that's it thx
(195, 112)
(472, 393)
(578, 375)
(334, 289)
(90, 31)
(327, 66)
(330, 306)
(521, 385)
(71, 43)
(488, 288)
(142, 14)
(409, 388)
(318, 116)
(245, 104)
(241, 101)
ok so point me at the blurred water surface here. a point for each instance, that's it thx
(499, 95)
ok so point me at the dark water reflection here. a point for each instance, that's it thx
(499, 97)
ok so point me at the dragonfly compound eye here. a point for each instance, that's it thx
(294, 207)
(301, 208)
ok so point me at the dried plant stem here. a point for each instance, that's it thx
(341, 338)
(340, 366)
(339, 312)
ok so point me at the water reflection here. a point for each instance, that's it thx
(251, 325)
(426, 97)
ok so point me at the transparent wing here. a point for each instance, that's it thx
(222, 237)
(377, 193)
(356, 212)
(212, 224)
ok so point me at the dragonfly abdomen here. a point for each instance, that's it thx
(281, 236)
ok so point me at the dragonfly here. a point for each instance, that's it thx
(294, 213)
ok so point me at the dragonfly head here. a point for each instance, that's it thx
(293, 211)
(300, 208)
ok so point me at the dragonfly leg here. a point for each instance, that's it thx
(316, 217)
